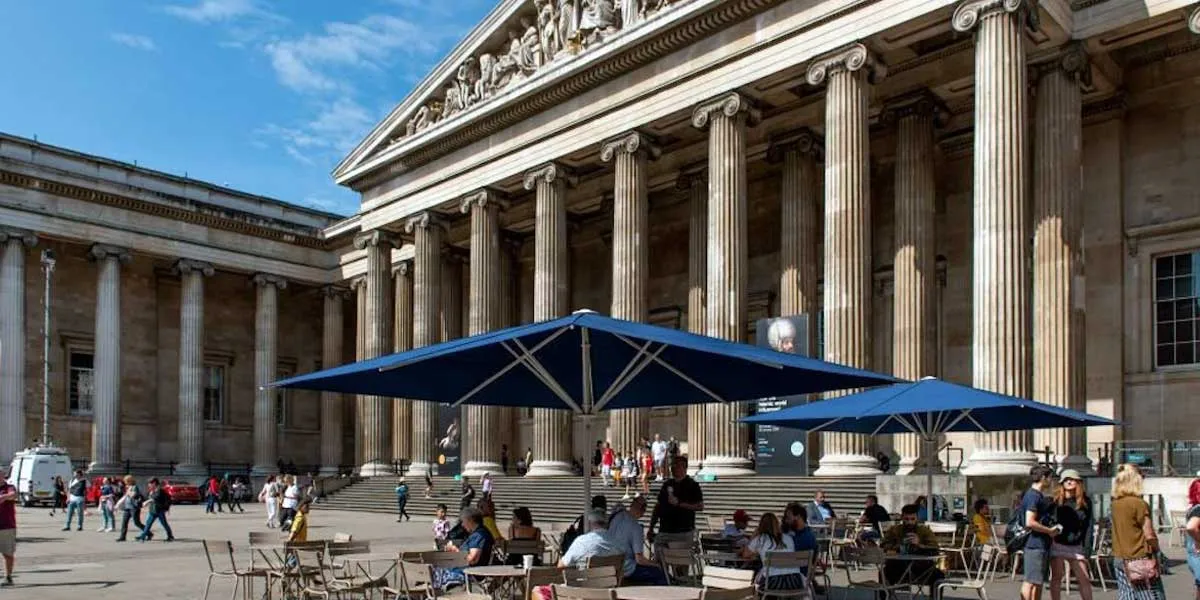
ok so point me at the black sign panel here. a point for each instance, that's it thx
(448, 451)
(781, 451)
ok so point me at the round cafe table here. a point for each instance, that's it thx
(658, 592)
(504, 576)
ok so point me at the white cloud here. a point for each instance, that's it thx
(336, 128)
(213, 11)
(137, 42)
(296, 154)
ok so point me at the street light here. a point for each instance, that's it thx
(47, 270)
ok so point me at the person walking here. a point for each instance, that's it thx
(504, 458)
(1134, 540)
(402, 500)
(226, 492)
(76, 493)
(1070, 549)
(8, 529)
(108, 494)
(468, 495)
(679, 499)
(58, 499)
(659, 449)
(130, 506)
(269, 495)
(212, 491)
(486, 483)
(428, 486)
(1192, 532)
(607, 459)
(158, 504)
(647, 465)
(237, 490)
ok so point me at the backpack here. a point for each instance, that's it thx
(569, 535)
(1016, 534)
(162, 501)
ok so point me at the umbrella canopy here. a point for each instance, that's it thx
(587, 363)
(928, 407)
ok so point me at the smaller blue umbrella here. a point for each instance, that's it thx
(929, 407)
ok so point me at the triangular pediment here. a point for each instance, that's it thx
(516, 42)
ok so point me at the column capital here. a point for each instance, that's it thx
(1194, 21)
(99, 252)
(803, 140)
(730, 105)
(28, 238)
(265, 279)
(358, 283)
(403, 268)
(852, 58)
(921, 102)
(484, 198)
(970, 13)
(1072, 60)
(376, 237)
(335, 291)
(424, 220)
(186, 265)
(630, 142)
(549, 173)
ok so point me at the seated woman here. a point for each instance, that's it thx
(477, 547)
(769, 538)
(522, 528)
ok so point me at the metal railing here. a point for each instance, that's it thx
(220, 469)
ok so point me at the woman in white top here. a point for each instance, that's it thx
(769, 538)
(270, 496)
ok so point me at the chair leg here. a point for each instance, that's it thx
(237, 582)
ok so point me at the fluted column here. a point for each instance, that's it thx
(695, 185)
(847, 309)
(12, 340)
(1059, 354)
(630, 259)
(402, 275)
(482, 424)
(191, 366)
(427, 231)
(726, 118)
(331, 356)
(914, 353)
(551, 299)
(359, 286)
(266, 366)
(375, 412)
(1001, 300)
(106, 410)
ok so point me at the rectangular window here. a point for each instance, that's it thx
(1177, 309)
(214, 393)
(281, 403)
(81, 387)
(819, 323)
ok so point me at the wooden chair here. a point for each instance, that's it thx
(540, 576)
(873, 558)
(615, 562)
(746, 593)
(787, 560)
(525, 547)
(988, 556)
(680, 565)
(414, 580)
(445, 560)
(725, 578)
(602, 577)
(567, 592)
(222, 549)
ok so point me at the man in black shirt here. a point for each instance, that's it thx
(679, 499)
(873, 514)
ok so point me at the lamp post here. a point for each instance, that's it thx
(47, 270)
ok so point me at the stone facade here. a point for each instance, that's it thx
(644, 167)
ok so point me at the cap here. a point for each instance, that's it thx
(1070, 474)
(740, 516)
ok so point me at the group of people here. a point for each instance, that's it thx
(282, 495)
(635, 467)
(224, 491)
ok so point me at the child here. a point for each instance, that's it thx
(629, 474)
(300, 523)
(441, 527)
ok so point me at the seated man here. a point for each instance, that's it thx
(477, 547)
(873, 514)
(625, 530)
(736, 531)
(795, 524)
(596, 542)
(820, 511)
(910, 538)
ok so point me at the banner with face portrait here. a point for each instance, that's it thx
(448, 450)
(781, 451)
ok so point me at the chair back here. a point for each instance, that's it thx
(445, 560)
(413, 556)
(687, 567)
(726, 578)
(264, 538)
(601, 577)
(788, 560)
(222, 549)
(312, 560)
(568, 592)
(342, 537)
(415, 579)
(336, 548)
(868, 555)
(988, 558)
(539, 576)
(523, 547)
(711, 593)
(616, 563)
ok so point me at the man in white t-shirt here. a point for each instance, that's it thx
(291, 499)
(658, 449)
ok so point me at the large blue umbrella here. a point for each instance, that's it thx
(929, 407)
(587, 363)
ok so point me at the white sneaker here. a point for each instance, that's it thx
(109, 530)
(101, 530)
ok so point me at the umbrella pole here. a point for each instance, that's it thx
(930, 449)
(587, 470)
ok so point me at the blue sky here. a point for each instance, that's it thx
(264, 96)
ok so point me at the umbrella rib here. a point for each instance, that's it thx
(507, 367)
(539, 371)
(966, 414)
(679, 374)
(643, 360)
(630, 366)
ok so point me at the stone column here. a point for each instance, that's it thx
(551, 299)
(12, 340)
(375, 412)
(402, 275)
(726, 118)
(1001, 300)
(106, 412)
(914, 347)
(1059, 353)
(191, 366)
(427, 231)
(695, 185)
(630, 259)
(331, 356)
(482, 424)
(359, 285)
(848, 275)
(266, 369)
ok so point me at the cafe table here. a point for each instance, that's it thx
(364, 561)
(658, 592)
(502, 578)
(910, 561)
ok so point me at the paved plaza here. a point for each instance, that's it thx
(54, 564)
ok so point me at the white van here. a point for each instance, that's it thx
(33, 471)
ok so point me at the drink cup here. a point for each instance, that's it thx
(527, 561)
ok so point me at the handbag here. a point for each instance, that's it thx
(1141, 571)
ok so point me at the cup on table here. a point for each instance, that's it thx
(527, 561)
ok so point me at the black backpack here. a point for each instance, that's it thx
(1016, 534)
(570, 534)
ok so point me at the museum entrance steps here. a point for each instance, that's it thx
(561, 498)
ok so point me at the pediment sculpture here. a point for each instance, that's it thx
(553, 31)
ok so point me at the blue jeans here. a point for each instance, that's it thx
(72, 507)
(161, 518)
(210, 503)
(646, 575)
(110, 521)
(1193, 559)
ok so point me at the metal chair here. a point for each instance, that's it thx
(567, 592)
(223, 548)
(525, 547)
(1102, 552)
(987, 564)
(964, 551)
(787, 560)
(541, 576)
(726, 578)
(680, 565)
(872, 557)
(708, 593)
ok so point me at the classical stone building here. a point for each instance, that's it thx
(997, 192)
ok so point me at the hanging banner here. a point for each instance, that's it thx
(778, 450)
(448, 452)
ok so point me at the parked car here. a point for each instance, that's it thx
(182, 492)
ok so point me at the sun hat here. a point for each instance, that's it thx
(1070, 474)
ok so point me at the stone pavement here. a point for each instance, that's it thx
(54, 564)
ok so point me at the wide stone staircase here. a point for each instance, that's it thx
(562, 498)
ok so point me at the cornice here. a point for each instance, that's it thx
(204, 215)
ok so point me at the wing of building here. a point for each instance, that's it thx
(997, 192)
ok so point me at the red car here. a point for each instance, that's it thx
(182, 492)
(93, 491)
